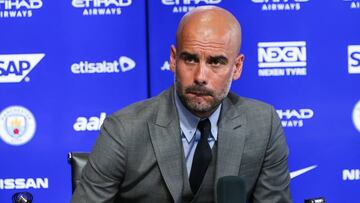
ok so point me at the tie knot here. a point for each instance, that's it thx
(204, 127)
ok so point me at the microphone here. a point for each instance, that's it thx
(231, 189)
(22, 197)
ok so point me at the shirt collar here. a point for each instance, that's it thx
(189, 122)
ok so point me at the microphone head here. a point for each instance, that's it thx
(22, 197)
(231, 189)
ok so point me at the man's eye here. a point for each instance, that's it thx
(217, 62)
(190, 59)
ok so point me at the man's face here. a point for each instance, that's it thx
(205, 65)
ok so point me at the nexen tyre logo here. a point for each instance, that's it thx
(354, 59)
(123, 64)
(282, 58)
(18, 8)
(15, 67)
(294, 117)
(280, 5)
(101, 7)
(23, 183)
(183, 6)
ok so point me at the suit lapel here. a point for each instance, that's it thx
(231, 140)
(166, 140)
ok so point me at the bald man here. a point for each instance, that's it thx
(176, 146)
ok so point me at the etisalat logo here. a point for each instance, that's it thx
(282, 58)
(280, 5)
(101, 7)
(15, 67)
(354, 4)
(183, 6)
(18, 8)
(123, 64)
(294, 117)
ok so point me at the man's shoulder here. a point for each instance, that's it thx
(145, 109)
(248, 104)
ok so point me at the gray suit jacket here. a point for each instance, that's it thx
(138, 156)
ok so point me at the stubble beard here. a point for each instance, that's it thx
(201, 108)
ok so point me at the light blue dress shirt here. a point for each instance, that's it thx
(190, 136)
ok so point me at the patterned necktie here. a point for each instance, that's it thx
(202, 156)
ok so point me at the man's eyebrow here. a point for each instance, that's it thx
(220, 58)
(187, 54)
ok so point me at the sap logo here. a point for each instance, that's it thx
(351, 174)
(24, 183)
(15, 67)
(293, 117)
(183, 6)
(282, 58)
(19, 8)
(101, 7)
(354, 59)
(89, 124)
(280, 5)
(85, 67)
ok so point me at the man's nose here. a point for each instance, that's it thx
(201, 74)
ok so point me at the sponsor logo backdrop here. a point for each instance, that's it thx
(65, 66)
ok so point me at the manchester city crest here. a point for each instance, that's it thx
(17, 125)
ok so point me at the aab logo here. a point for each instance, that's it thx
(15, 67)
(183, 6)
(354, 59)
(92, 123)
(353, 4)
(123, 64)
(101, 7)
(282, 58)
(17, 125)
(18, 8)
(294, 117)
(280, 5)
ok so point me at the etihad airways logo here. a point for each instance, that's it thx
(282, 58)
(183, 6)
(15, 67)
(18, 8)
(294, 117)
(123, 64)
(280, 5)
(101, 7)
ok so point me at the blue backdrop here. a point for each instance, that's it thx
(65, 65)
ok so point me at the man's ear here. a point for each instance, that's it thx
(172, 58)
(239, 61)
